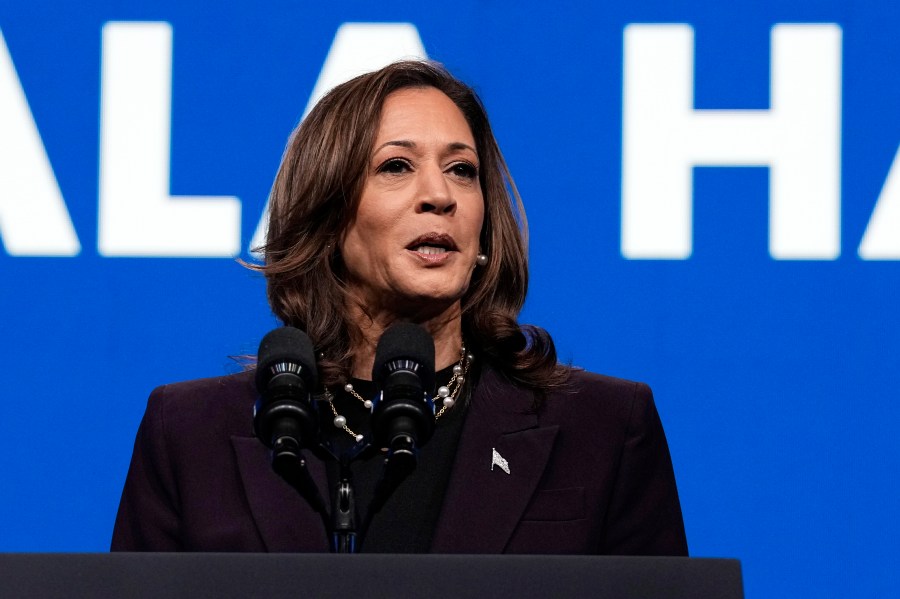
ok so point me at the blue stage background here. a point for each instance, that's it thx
(776, 379)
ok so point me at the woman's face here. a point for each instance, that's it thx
(413, 242)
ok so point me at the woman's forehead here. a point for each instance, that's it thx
(418, 114)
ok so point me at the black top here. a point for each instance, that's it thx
(408, 519)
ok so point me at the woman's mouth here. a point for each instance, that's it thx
(433, 248)
(432, 243)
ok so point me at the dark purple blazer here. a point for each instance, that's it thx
(589, 473)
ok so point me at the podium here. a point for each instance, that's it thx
(273, 576)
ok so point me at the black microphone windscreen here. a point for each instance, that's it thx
(285, 345)
(406, 341)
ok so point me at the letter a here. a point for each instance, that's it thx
(33, 216)
(357, 48)
(881, 240)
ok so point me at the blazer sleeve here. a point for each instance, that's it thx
(148, 517)
(644, 516)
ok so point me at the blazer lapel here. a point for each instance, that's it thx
(284, 519)
(483, 505)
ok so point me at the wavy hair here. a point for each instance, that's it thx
(313, 201)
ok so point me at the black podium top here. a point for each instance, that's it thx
(274, 576)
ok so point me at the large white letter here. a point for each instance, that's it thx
(881, 240)
(33, 216)
(357, 48)
(138, 217)
(798, 138)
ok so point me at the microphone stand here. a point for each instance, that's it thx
(399, 463)
(343, 511)
(288, 462)
(291, 466)
(340, 523)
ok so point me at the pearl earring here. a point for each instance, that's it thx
(481, 259)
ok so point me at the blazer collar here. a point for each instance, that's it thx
(284, 519)
(484, 504)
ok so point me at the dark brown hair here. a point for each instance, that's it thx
(313, 201)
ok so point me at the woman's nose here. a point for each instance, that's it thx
(435, 193)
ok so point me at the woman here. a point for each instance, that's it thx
(393, 203)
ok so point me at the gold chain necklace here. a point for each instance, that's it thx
(447, 394)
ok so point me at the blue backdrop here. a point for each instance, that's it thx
(776, 376)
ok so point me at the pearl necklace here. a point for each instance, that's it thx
(447, 394)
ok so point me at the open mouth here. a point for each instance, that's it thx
(432, 244)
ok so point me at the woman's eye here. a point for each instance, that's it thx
(464, 170)
(394, 166)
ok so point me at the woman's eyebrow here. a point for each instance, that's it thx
(458, 145)
(405, 143)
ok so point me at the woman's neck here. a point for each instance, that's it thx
(445, 328)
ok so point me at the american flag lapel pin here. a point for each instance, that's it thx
(499, 461)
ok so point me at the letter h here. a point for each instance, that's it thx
(798, 138)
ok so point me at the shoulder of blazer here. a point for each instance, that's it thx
(584, 398)
(215, 408)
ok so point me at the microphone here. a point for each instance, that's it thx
(283, 417)
(403, 417)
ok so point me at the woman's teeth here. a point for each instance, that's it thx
(430, 249)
